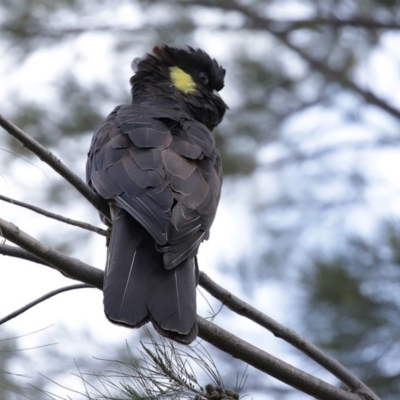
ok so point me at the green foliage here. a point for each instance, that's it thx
(163, 371)
(353, 306)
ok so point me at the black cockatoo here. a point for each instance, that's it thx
(156, 163)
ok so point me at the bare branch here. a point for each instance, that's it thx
(290, 25)
(242, 308)
(62, 31)
(57, 217)
(211, 333)
(49, 158)
(70, 267)
(271, 365)
(286, 25)
(41, 299)
(14, 251)
(278, 25)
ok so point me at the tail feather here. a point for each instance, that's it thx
(181, 338)
(138, 288)
(124, 289)
(171, 300)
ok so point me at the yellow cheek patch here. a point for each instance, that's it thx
(182, 80)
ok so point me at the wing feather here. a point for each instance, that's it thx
(163, 168)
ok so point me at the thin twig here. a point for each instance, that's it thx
(49, 158)
(26, 334)
(42, 298)
(246, 310)
(57, 217)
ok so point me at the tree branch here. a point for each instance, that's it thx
(68, 266)
(271, 365)
(341, 79)
(287, 25)
(41, 299)
(17, 252)
(57, 217)
(290, 25)
(254, 21)
(50, 159)
(218, 337)
(279, 25)
(62, 31)
(242, 308)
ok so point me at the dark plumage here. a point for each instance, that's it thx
(156, 162)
